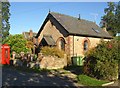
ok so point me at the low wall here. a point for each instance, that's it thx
(50, 62)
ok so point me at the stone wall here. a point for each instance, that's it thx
(50, 62)
(50, 29)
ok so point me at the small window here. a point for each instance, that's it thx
(62, 44)
(85, 45)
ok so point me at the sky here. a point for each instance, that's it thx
(31, 15)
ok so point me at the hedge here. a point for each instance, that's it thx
(102, 61)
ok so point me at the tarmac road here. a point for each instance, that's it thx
(0, 76)
(12, 77)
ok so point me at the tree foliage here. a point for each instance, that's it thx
(17, 43)
(102, 61)
(5, 19)
(29, 44)
(0, 16)
(111, 19)
(117, 17)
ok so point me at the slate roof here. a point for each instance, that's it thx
(27, 36)
(49, 40)
(81, 27)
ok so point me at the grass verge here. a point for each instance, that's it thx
(88, 81)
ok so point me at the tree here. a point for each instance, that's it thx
(30, 45)
(117, 16)
(108, 18)
(17, 43)
(0, 17)
(111, 19)
(5, 19)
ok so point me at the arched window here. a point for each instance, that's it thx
(61, 43)
(85, 45)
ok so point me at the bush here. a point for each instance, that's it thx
(53, 51)
(102, 61)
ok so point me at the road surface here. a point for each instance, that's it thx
(12, 77)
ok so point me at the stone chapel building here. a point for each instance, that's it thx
(73, 35)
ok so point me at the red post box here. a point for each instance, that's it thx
(5, 54)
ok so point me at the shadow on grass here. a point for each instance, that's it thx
(12, 77)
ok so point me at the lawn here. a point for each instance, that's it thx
(88, 81)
